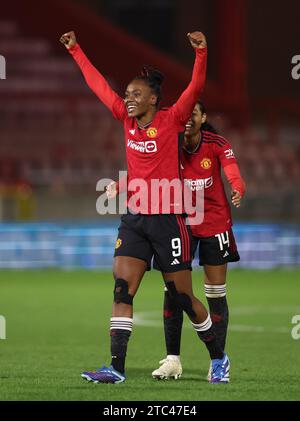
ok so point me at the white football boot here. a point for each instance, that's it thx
(169, 369)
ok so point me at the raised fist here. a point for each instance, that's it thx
(68, 39)
(197, 39)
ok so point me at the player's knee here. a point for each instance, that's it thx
(183, 300)
(186, 304)
(121, 294)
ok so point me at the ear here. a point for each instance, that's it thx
(204, 117)
(153, 100)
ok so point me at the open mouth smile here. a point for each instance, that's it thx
(131, 108)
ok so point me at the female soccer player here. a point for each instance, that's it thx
(151, 137)
(204, 153)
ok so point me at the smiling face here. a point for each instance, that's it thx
(195, 122)
(139, 99)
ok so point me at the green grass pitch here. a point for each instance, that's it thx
(57, 325)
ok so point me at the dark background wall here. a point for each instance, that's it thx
(273, 39)
(252, 99)
(272, 31)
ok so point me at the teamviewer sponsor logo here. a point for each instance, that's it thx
(150, 146)
(144, 147)
(199, 184)
(2, 327)
(2, 67)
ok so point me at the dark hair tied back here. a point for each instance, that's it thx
(207, 127)
(152, 74)
(153, 78)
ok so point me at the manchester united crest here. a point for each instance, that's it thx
(152, 132)
(205, 163)
(118, 243)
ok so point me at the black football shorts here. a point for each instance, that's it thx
(216, 250)
(166, 238)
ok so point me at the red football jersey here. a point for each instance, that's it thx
(202, 171)
(152, 153)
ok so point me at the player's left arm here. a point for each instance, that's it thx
(232, 173)
(233, 176)
(184, 106)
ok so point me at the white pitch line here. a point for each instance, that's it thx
(265, 310)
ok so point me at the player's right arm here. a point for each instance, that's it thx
(93, 77)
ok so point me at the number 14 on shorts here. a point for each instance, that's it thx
(223, 239)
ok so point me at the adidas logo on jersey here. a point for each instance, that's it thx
(175, 262)
(226, 254)
(132, 132)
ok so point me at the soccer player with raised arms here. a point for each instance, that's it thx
(151, 137)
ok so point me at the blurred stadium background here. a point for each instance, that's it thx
(57, 140)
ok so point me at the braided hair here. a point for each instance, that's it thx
(154, 79)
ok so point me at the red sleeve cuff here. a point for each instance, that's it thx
(74, 49)
(201, 51)
(234, 178)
